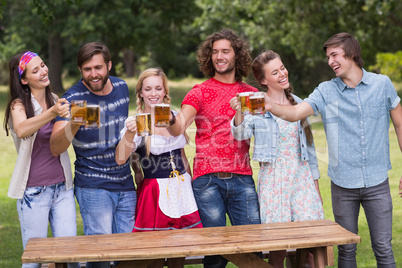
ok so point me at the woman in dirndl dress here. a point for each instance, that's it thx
(165, 199)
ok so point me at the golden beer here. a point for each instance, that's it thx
(162, 114)
(257, 103)
(245, 102)
(143, 124)
(78, 111)
(93, 116)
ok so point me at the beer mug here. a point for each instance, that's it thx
(78, 111)
(245, 102)
(143, 124)
(93, 116)
(162, 114)
(257, 103)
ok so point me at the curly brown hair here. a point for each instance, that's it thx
(240, 47)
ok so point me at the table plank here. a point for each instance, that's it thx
(190, 242)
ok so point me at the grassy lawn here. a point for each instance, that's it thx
(10, 237)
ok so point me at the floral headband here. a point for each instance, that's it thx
(25, 59)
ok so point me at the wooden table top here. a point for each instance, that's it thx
(189, 242)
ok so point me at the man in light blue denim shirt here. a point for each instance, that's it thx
(355, 108)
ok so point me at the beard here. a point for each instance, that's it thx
(229, 69)
(98, 87)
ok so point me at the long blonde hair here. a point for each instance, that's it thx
(145, 74)
(258, 70)
(140, 101)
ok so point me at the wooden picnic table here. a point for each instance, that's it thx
(235, 243)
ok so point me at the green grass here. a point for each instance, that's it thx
(10, 237)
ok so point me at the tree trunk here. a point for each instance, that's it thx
(128, 59)
(55, 63)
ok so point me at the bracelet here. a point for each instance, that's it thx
(173, 121)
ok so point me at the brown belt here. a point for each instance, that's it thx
(224, 175)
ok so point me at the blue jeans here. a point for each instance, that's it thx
(215, 197)
(106, 212)
(377, 204)
(43, 205)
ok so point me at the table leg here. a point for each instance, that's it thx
(322, 256)
(319, 256)
(329, 256)
(247, 260)
(301, 256)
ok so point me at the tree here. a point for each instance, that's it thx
(144, 33)
(2, 5)
(296, 29)
(130, 29)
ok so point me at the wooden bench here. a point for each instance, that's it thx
(235, 243)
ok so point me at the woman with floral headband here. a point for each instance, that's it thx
(41, 182)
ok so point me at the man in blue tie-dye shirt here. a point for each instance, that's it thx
(104, 190)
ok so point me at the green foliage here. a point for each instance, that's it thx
(2, 5)
(166, 33)
(139, 26)
(296, 29)
(389, 64)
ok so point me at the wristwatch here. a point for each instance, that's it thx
(173, 121)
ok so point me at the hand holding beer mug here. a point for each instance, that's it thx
(78, 112)
(162, 114)
(235, 103)
(62, 108)
(257, 103)
(131, 124)
(143, 124)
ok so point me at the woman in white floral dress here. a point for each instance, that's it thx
(288, 179)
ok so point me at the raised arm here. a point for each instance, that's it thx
(235, 105)
(62, 135)
(289, 113)
(184, 119)
(126, 145)
(396, 116)
(24, 127)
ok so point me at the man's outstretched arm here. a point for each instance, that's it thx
(289, 113)
(184, 119)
